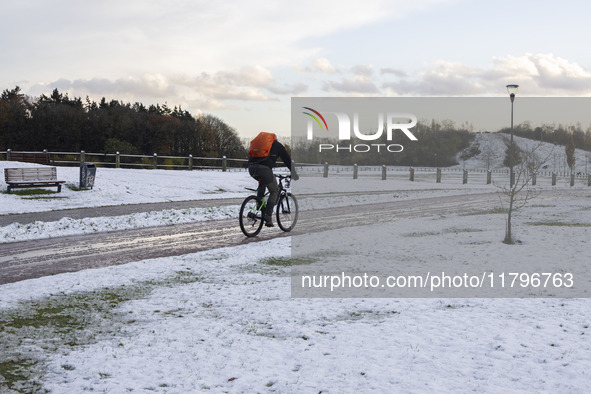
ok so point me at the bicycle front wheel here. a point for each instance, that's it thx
(287, 212)
(251, 220)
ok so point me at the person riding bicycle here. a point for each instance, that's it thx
(264, 152)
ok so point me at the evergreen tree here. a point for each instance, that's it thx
(570, 153)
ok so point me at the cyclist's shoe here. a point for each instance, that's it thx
(268, 220)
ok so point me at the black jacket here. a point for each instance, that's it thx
(277, 151)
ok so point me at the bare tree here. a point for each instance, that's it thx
(522, 191)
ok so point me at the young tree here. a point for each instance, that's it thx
(521, 192)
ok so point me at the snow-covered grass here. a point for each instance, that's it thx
(68, 226)
(224, 320)
(124, 186)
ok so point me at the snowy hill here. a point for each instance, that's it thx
(488, 151)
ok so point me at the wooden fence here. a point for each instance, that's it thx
(117, 160)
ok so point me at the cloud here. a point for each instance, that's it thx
(321, 65)
(394, 71)
(365, 70)
(83, 39)
(148, 85)
(357, 85)
(206, 90)
(537, 75)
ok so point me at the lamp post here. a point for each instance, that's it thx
(512, 90)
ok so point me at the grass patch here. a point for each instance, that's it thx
(422, 234)
(494, 211)
(13, 375)
(45, 198)
(558, 224)
(436, 233)
(286, 261)
(31, 192)
(34, 330)
(75, 188)
(462, 230)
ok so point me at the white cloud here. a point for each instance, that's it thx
(322, 65)
(394, 71)
(537, 75)
(357, 86)
(364, 70)
(110, 38)
(204, 91)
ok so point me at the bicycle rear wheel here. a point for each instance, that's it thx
(287, 212)
(250, 218)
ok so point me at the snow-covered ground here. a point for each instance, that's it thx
(225, 321)
(492, 148)
(127, 186)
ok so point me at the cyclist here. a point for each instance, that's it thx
(261, 169)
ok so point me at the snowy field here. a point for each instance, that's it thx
(128, 186)
(225, 321)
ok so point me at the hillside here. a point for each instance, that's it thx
(488, 150)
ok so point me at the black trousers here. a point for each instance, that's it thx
(267, 180)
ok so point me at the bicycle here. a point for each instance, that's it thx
(251, 211)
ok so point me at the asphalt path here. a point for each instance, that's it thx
(38, 258)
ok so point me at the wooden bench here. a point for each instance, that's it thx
(32, 177)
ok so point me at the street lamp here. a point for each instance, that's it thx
(512, 90)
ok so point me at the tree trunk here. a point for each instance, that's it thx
(508, 236)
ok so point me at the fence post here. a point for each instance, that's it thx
(572, 178)
(465, 177)
(488, 177)
(155, 161)
(534, 179)
(438, 178)
(355, 169)
(82, 157)
(553, 179)
(8, 154)
(190, 162)
(412, 174)
(383, 172)
(117, 160)
(224, 164)
(325, 175)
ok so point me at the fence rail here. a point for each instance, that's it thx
(117, 160)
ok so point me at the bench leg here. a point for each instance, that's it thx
(8, 189)
(59, 188)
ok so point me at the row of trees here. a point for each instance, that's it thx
(553, 134)
(438, 145)
(58, 122)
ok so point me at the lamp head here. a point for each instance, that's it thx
(512, 90)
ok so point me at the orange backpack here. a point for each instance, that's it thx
(261, 144)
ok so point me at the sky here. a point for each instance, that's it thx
(243, 60)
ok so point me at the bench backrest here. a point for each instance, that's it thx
(30, 157)
(30, 174)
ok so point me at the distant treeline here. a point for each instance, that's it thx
(60, 123)
(558, 135)
(438, 145)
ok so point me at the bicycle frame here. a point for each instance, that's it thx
(282, 191)
(253, 208)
